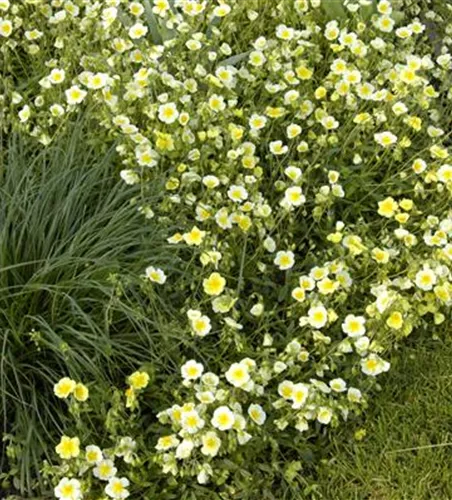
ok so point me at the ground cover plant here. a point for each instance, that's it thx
(293, 161)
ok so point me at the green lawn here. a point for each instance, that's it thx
(407, 451)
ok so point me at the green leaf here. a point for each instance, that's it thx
(334, 9)
(153, 24)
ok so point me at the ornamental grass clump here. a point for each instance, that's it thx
(303, 149)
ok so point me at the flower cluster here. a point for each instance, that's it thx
(306, 182)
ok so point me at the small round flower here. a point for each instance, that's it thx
(354, 395)
(338, 385)
(155, 275)
(257, 58)
(237, 193)
(395, 320)
(201, 325)
(445, 174)
(317, 316)
(373, 365)
(168, 113)
(284, 259)
(238, 375)
(425, 279)
(192, 370)
(129, 177)
(97, 81)
(257, 122)
(324, 415)
(138, 380)
(210, 181)
(117, 488)
(385, 139)
(223, 418)
(300, 393)
(64, 387)
(192, 422)
(68, 447)
(286, 389)
(93, 454)
(278, 148)
(68, 489)
(217, 103)
(294, 196)
(81, 392)
(211, 444)
(214, 284)
(195, 237)
(222, 10)
(387, 207)
(105, 470)
(57, 76)
(354, 326)
(257, 414)
(167, 442)
(137, 31)
(6, 27)
(75, 95)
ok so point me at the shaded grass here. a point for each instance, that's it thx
(407, 451)
(72, 299)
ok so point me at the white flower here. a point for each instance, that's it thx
(222, 10)
(137, 31)
(168, 113)
(237, 193)
(117, 488)
(192, 370)
(192, 422)
(201, 325)
(373, 365)
(324, 415)
(425, 279)
(68, 489)
(278, 148)
(317, 316)
(24, 114)
(354, 395)
(184, 449)
(257, 122)
(238, 375)
(284, 260)
(156, 275)
(129, 176)
(338, 385)
(299, 394)
(93, 454)
(223, 418)
(385, 139)
(354, 326)
(294, 196)
(210, 444)
(105, 470)
(257, 414)
(75, 95)
(284, 33)
(445, 173)
(57, 76)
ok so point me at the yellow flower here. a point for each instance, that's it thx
(139, 380)
(395, 321)
(194, 237)
(64, 387)
(387, 207)
(214, 284)
(81, 392)
(68, 447)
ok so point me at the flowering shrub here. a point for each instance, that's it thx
(305, 153)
